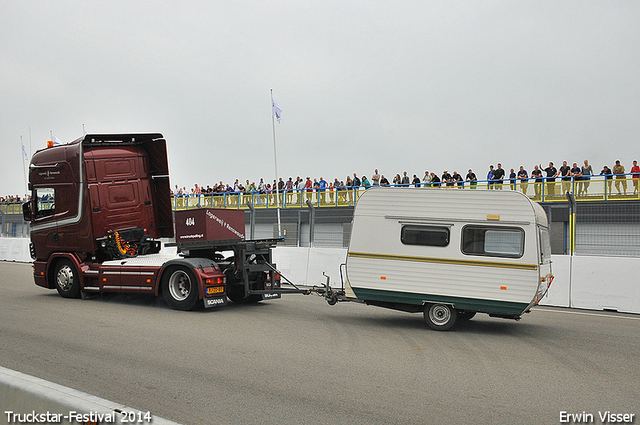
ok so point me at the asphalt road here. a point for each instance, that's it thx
(300, 361)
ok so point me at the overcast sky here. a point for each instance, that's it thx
(399, 86)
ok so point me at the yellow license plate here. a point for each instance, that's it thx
(215, 289)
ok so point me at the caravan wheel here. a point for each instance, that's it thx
(440, 317)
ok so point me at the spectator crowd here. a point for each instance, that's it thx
(13, 199)
(496, 178)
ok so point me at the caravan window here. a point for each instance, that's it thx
(493, 241)
(425, 235)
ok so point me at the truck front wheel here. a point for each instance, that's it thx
(66, 279)
(440, 317)
(180, 288)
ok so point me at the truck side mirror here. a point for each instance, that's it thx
(26, 211)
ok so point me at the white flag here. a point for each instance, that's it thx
(57, 141)
(277, 111)
(24, 151)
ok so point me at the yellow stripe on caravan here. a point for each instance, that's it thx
(443, 261)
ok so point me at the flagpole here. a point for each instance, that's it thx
(275, 160)
(24, 173)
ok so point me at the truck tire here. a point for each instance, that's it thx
(66, 278)
(440, 317)
(180, 288)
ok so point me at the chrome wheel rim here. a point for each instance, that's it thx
(65, 278)
(439, 315)
(179, 285)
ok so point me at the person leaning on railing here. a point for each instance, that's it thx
(620, 177)
(606, 172)
(537, 175)
(523, 176)
(336, 188)
(426, 179)
(635, 174)
(587, 172)
(576, 174)
(456, 178)
(490, 177)
(512, 179)
(565, 173)
(472, 179)
(435, 180)
(552, 172)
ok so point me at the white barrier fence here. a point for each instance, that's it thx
(589, 282)
(15, 249)
(595, 283)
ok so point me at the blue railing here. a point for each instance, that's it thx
(595, 188)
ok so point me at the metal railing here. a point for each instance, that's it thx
(595, 188)
(295, 198)
(11, 208)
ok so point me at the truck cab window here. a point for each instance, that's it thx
(493, 241)
(425, 235)
(44, 202)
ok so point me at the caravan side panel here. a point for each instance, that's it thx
(383, 267)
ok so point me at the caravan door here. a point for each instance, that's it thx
(544, 252)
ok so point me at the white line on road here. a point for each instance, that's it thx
(599, 314)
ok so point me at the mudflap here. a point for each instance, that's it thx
(210, 302)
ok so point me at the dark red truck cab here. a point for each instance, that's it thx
(100, 205)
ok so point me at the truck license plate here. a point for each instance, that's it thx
(215, 289)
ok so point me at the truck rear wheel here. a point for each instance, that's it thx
(180, 288)
(66, 279)
(440, 317)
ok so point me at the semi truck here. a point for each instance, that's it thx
(100, 207)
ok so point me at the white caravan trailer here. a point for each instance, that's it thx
(449, 253)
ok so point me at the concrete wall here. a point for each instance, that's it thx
(595, 283)
(14, 249)
(589, 282)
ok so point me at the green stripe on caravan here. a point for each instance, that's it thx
(443, 261)
(471, 304)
